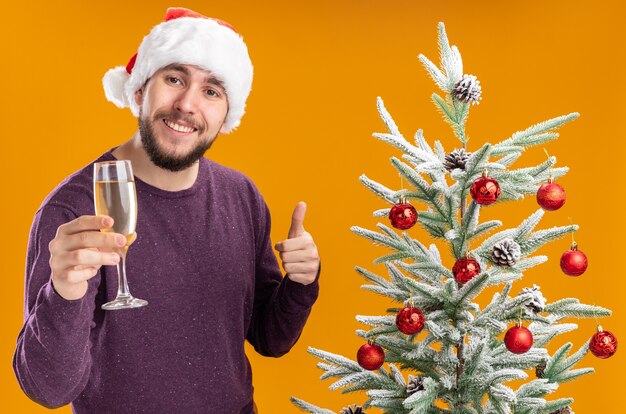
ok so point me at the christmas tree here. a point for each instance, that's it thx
(444, 353)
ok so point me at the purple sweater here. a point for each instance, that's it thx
(203, 260)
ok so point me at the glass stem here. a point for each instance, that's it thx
(122, 290)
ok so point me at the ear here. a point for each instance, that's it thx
(139, 96)
(223, 129)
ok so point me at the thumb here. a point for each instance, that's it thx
(297, 221)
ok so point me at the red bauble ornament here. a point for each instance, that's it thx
(551, 196)
(370, 356)
(485, 190)
(603, 344)
(403, 215)
(573, 261)
(518, 339)
(410, 320)
(465, 269)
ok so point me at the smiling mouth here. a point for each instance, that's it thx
(178, 127)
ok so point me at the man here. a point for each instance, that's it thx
(202, 256)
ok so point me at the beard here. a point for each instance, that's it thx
(162, 158)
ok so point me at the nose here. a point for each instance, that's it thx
(186, 101)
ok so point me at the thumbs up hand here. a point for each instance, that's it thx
(298, 252)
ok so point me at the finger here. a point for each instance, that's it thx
(83, 257)
(302, 242)
(81, 267)
(307, 255)
(77, 276)
(90, 239)
(84, 223)
(291, 257)
(300, 267)
(297, 220)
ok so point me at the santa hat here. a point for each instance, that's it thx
(187, 37)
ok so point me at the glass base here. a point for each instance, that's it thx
(124, 303)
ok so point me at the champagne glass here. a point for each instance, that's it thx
(114, 196)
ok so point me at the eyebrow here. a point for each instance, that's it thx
(209, 79)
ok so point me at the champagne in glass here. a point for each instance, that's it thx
(115, 196)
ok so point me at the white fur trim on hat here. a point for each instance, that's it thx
(114, 81)
(194, 41)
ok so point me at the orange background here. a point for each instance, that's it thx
(307, 135)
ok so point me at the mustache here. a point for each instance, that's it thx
(174, 116)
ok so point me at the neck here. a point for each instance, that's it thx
(148, 172)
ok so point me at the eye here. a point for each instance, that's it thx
(212, 92)
(173, 79)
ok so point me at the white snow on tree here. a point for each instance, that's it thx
(459, 365)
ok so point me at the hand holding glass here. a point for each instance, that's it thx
(114, 196)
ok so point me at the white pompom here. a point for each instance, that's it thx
(113, 82)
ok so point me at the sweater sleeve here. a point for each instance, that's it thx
(52, 358)
(281, 306)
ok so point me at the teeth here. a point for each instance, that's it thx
(177, 127)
